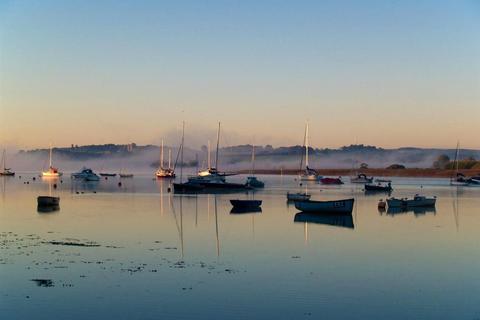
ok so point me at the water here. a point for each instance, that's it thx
(181, 257)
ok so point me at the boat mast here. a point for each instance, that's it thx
(181, 155)
(169, 158)
(50, 155)
(306, 145)
(208, 156)
(218, 143)
(456, 160)
(3, 160)
(253, 159)
(161, 156)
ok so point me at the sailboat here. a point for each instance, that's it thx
(52, 172)
(460, 179)
(163, 172)
(252, 181)
(210, 179)
(5, 171)
(307, 174)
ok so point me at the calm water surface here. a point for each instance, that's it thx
(159, 255)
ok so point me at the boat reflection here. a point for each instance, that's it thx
(417, 211)
(47, 209)
(245, 210)
(333, 219)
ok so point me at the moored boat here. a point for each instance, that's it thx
(52, 172)
(335, 206)
(299, 196)
(105, 174)
(328, 180)
(307, 174)
(246, 204)
(45, 201)
(361, 178)
(7, 172)
(125, 175)
(165, 172)
(378, 187)
(86, 174)
(254, 182)
(416, 201)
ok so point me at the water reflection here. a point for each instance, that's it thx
(417, 211)
(336, 220)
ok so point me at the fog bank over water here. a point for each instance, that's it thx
(145, 159)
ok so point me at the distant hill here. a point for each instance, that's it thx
(268, 157)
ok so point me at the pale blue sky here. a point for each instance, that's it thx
(389, 73)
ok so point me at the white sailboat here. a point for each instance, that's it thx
(252, 180)
(52, 172)
(163, 172)
(308, 174)
(5, 171)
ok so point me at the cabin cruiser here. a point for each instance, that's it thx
(378, 187)
(253, 182)
(86, 174)
(299, 196)
(361, 178)
(417, 201)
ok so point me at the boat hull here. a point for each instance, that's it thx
(46, 201)
(246, 204)
(411, 203)
(331, 181)
(108, 174)
(7, 174)
(344, 206)
(375, 188)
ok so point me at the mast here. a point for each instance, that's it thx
(306, 145)
(456, 162)
(208, 156)
(169, 158)
(3, 160)
(50, 155)
(181, 155)
(218, 143)
(253, 160)
(161, 156)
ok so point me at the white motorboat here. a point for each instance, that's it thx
(361, 178)
(417, 201)
(52, 172)
(344, 206)
(299, 196)
(86, 174)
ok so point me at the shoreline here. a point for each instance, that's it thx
(408, 172)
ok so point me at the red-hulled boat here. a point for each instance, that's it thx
(328, 180)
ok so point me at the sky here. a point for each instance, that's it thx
(385, 73)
